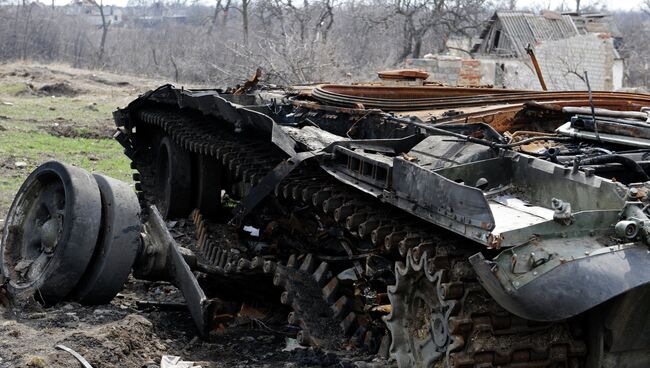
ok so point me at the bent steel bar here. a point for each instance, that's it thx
(571, 287)
(178, 271)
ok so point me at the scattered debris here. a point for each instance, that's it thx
(20, 164)
(78, 356)
(253, 231)
(145, 304)
(172, 361)
(292, 344)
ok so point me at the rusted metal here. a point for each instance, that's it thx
(250, 83)
(538, 70)
(427, 97)
(403, 74)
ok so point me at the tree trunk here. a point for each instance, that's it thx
(244, 14)
(417, 48)
(105, 26)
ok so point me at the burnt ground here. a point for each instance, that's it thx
(126, 334)
(58, 112)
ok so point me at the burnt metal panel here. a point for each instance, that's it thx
(572, 287)
(426, 189)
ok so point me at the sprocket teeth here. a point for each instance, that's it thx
(330, 289)
(349, 323)
(292, 261)
(341, 306)
(307, 265)
(321, 274)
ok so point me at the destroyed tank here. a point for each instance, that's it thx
(440, 226)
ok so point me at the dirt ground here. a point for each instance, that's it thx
(58, 112)
(124, 334)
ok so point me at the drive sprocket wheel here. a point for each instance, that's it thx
(442, 317)
(418, 321)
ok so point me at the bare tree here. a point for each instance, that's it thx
(244, 7)
(443, 17)
(105, 24)
(222, 9)
(293, 41)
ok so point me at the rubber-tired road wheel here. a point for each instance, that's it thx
(173, 178)
(117, 245)
(50, 232)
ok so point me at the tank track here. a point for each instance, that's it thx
(477, 323)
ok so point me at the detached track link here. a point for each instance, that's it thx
(304, 283)
(478, 332)
(225, 259)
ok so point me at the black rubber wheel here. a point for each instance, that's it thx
(208, 185)
(50, 232)
(117, 246)
(173, 178)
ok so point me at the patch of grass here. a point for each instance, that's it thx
(28, 110)
(13, 89)
(34, 148)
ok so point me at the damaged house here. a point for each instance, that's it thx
(566, 45)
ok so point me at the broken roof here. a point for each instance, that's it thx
(523, 28)
(595, 23)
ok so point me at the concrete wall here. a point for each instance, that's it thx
(563, 63)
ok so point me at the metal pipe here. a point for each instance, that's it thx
(605, 112)
(625, 161)
(538, 70)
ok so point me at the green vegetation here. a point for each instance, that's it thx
(13, 89)
(23, 112)
(34, 148)
(36, 129)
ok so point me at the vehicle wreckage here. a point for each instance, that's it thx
(461, 227)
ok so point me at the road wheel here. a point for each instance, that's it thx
(50, 232)
(117, 246)
(208, 185)
(173, 180)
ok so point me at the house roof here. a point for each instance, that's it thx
(595, 23)
(525, 28)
